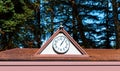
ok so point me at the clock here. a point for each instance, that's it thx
(60, 44)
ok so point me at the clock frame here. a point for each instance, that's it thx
(60, 44)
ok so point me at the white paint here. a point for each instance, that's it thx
(72, 48)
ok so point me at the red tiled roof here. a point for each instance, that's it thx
(28, 54)
(18, 54)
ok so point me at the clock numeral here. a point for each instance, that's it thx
(60, 49)
(55, 41)
(63, 48)
(60, 38)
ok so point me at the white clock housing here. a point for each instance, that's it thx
(61, 44)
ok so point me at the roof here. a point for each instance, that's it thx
(28, 54)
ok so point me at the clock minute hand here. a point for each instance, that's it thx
(62, 42)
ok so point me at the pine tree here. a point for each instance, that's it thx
(13, 14)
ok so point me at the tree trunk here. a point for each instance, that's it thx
(7, 41)
(38, 32)
(52, 21)
(74, 29)
(117, 23)
(107, 29)
(10, 44)
(4, 41)
(79, 23)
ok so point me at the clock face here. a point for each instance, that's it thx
(61, 44)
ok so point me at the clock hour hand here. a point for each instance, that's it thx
(62, 42)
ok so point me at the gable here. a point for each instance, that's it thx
(74, 50)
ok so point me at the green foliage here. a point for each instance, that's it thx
(10, 17)
(13, 14)
(6, 6)
(9, 26)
